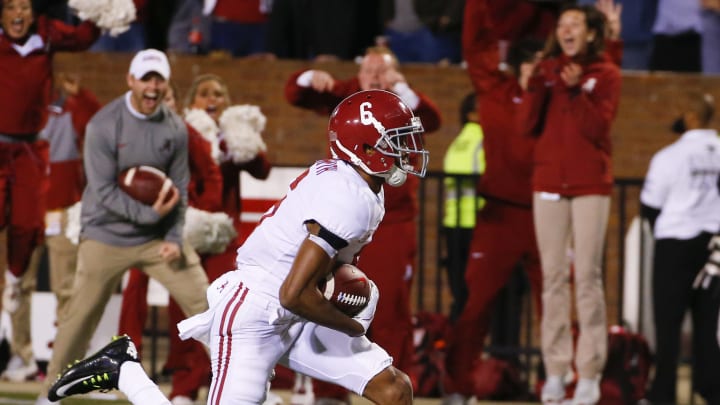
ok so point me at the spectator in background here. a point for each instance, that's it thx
(68, 114)
(680, 199)
(57, 10)
(464, 161)
(27, 46)
(238, 27)
(677, 36)
(390, 259)
(423, 31)
(571, 101)
(119, 232)
(234, 131)
(637, 20)
(503, 235)
(131, 40)
(638, 17)
(515, 19)
(322, 29)
(189, 30)
(187, 360)
(711, 36)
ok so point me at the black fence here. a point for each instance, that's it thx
(514, 331)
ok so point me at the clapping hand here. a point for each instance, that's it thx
(571, 74)
(612, 13)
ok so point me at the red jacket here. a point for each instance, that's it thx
(401, 203)
(65, 132)
(205, 187)
(259, 168)
(516, 19)
(508, 154)
(572, 154)
(240, 11)
(26, 81)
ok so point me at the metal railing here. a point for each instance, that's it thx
(431, 288)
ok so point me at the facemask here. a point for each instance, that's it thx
(678, 126)
(395, 177)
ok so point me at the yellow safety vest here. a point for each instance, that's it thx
(465, 156)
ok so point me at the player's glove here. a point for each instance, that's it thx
(366, 316)
(712, 267)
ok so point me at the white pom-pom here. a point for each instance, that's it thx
(208, 232)
(241, 126)
(111, 16)
(72, 229)
(206, 126)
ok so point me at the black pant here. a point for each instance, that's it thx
(458, 247)
(675, 266)
(677, 53)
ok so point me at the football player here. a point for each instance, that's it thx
(270, 309)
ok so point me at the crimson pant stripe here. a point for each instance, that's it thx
(225, 323)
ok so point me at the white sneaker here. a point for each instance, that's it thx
(18, 371)
(11, 293)
(553, 392)
(182, 400)
(587, 392)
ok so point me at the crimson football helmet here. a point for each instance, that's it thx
(377, 131)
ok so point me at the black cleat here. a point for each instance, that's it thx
(98, 372)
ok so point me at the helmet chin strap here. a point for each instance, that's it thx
(395, 177)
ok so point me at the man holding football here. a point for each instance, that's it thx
(119, 232)
(271, 309)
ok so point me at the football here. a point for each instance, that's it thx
(348, 288)
(144, 183)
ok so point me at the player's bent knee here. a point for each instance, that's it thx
(390, 387)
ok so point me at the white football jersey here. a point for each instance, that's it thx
(682, 182)
(330, 193)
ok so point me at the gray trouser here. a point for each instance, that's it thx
(581, 221)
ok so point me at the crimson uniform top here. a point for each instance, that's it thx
(242, 11)
(65, 131)
(514, 19)
(259, 168)
(508, 155)
(205, 187)
(27, 80)
(572, 154)
(397, 199)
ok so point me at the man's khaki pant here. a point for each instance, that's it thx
(100, 269)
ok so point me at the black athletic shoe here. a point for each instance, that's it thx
(97, 372)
